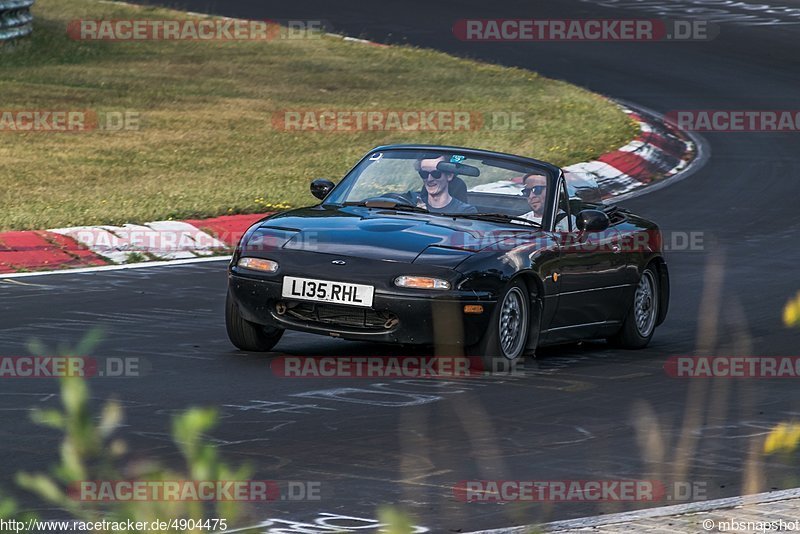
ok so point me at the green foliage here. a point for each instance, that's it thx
(396, 521)
(90, 451)
(135, 257)
(784, 438)
(10, 511)
(791, 312)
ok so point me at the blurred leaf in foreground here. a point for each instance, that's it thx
(90, 451)
(784, 438)
(791, 313)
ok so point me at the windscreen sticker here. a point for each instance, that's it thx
(376, 156)
(457, 159)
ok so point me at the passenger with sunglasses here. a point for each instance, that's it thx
(437, 186)
(536, 191)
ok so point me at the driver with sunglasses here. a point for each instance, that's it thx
(437, 185)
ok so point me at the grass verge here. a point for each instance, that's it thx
(206, 146)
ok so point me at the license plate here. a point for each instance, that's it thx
(327, 291)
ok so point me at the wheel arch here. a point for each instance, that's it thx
(535, 289)
(662, 275)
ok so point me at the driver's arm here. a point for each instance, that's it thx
(416, 198)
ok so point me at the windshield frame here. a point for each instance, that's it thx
(337, 196)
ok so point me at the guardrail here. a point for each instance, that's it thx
(16, 19)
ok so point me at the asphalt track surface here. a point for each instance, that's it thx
(582, 412)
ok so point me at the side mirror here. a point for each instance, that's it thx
(592, 221)
(321, 187)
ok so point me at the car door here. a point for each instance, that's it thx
(590, 275)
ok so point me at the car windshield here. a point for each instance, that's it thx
(447, 182)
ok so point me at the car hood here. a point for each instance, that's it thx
(385, 234)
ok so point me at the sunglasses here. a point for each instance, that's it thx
(536, 190)
(433, 174)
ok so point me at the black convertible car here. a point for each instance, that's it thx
(450, 247)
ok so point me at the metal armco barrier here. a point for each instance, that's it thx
(15, 19)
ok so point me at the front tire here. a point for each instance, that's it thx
(640, 323)
(503, 343)
(248, 336)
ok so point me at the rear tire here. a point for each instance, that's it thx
(640, 323)
(248, 336)
(503, 343)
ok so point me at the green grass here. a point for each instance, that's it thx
(206, 145)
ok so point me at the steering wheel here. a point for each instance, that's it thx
(398, 197)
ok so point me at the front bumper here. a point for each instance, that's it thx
(438, 319)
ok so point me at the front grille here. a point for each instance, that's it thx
(333, 314)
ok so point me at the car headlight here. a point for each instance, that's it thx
(421, 282)
(258, 264)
